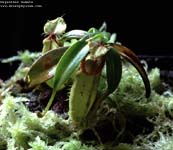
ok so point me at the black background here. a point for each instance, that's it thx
(144, 27)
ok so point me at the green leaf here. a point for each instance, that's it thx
(101, 37)
(112, 38)
(93, 30)
(44, 67)
(114, 72)
(103, 27)
(113, 69)
(69, 62)
(133, 59)
(74, 34)
(67, 65)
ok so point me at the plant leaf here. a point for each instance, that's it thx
(103, 27)
(74, 34)
(133, 59)
(69, 62)
(112, 38)
(114, 72)
(113, 69)
(44, 67)
(67, 65)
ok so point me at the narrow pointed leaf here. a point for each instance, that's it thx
(67, 65)
(114, 72)
(113, 69)
(103, 27)
(93, 31)
(44, 67)
(132, 58)
(112, 38)
(69, 62)
(76, 34)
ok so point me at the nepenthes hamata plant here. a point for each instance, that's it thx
(79, 57)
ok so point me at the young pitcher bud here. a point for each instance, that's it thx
(56, 26)
(49, 44)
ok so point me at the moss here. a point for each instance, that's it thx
(23, 126)
(165, 142)
(138, 123)
(123, 146)
(26, 57)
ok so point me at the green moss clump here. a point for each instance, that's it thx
(165, 142)
(138, 123)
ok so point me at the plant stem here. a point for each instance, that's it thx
(50, 102)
